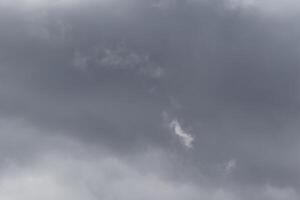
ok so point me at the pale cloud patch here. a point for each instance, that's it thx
(185, 137)
(238, 4)
(276, 193)
(119, 58)
(230, 166)
(164, 4)
(272, 8)
(35, 5)
(124, 58)
(152, 71)
(61, 177)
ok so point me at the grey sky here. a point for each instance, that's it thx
(149, 99)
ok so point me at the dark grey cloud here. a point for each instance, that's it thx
(199, 97)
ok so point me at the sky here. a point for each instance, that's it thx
(149, 99)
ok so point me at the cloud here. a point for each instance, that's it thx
(66, 175)
(270, 8)
(240, 4)
(82, 73)
(230, 166)
(118, 59)
(186, 138)
(277, 193)
(37, 5)
(85, 172)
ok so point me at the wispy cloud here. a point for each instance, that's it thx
(119, 58)
(185, 137)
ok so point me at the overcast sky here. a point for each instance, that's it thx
(149, 99)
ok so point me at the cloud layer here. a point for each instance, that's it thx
(99, 97)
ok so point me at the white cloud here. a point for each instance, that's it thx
(186, 138)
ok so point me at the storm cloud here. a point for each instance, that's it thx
(149, 99)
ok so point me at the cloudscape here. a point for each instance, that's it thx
(149, 99)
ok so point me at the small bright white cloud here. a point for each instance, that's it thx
(186, 138)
